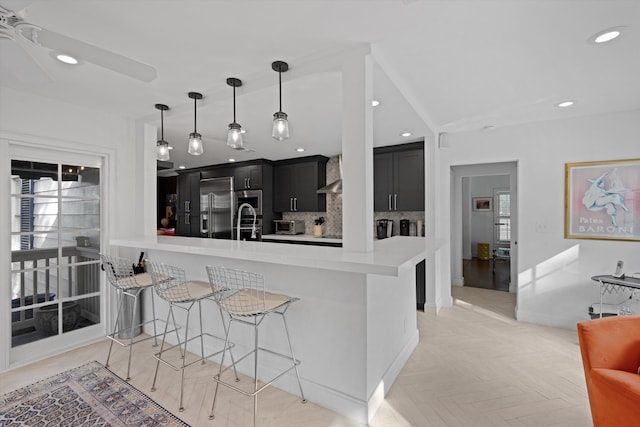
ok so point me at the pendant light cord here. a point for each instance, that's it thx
(280, 88)
(161, 125)
(195, 117)
(234, 104)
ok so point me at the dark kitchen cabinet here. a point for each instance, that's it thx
(188, 209)
(398, 183)
(216, 172)
(421, 284)
(296, 182)
(247, 177)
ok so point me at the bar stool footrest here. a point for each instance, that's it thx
(295, 363)
(158, 356)
(126, 342)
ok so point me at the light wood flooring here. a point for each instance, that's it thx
(475, 365)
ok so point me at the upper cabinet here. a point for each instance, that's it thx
(250, 175)
(296, 182)
(247, 177)
(398, 183)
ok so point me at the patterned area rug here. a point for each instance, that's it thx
(90, 395)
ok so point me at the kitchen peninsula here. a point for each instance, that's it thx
(354, 327)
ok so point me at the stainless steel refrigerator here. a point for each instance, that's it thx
(216, 208)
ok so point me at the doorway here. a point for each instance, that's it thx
(484, 224)
(55, 285)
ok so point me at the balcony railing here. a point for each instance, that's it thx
(76, 273)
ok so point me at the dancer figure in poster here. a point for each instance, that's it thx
(597, 197)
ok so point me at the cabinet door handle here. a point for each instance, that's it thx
(395, 202)
(187, 206)
(291, 204)
(295, 204)
(187, 219)
(390, 208)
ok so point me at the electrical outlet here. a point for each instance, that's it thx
(542, 227)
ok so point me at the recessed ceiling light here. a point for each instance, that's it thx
(181, 167)
(231, 160)
(375, 103)
(67, 59)
(607, 35)
(406, 134)
(565, 104)
(300, 150)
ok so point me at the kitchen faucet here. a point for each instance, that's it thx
(253, 226)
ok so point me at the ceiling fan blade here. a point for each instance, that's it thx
(87, 52)
(17, 5)
(19, 63)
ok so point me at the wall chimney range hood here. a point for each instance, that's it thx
(336, 186)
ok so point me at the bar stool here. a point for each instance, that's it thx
(246, 302)
(171, 285)
(120, 275)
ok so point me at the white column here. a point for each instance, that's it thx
(357, 153)
(149, 177)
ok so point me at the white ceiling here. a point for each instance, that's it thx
(446, 65)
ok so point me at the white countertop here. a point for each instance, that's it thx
(388, 257)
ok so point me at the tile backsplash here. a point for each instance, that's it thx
(333, 215)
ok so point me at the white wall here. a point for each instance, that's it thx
(39, 122)
(50, 123)
(554, 285)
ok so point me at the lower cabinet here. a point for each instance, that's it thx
(421, 283)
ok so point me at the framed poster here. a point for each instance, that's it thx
(602, 200)
(482, 204)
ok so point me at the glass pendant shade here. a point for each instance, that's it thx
(280, 126)
(195, 144)
(234, 137)
(163, 150)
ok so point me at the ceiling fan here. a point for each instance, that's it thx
(15, 30)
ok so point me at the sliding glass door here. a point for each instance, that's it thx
(55, 245)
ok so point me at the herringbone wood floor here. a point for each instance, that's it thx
(474, 366)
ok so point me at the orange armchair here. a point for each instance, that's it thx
(610, 350)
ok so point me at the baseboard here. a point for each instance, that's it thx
(390, 376)
(548, 319)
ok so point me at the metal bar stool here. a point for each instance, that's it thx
(244, 299)
(120, 275)
(171, 285)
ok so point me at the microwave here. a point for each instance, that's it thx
(289, 226)
(252, 197)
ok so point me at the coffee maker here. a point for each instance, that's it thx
(384, 228)
(404, 227)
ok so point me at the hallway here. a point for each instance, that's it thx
(483, 274)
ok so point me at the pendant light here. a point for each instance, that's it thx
(234, 137)
(280, 122)
(162, 146)
(195, 139)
